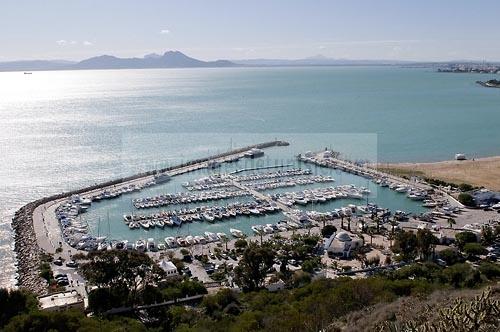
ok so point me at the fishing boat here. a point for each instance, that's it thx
(200, 239)
(257, 229)
(211, 237)
(140, 245)
(151, 245)
(208, 217)
(144, 224)
(171, 242)
(190, 240)
(236, 233)
(222, 236)
(268, 229)
(181, 242)
(401, 189)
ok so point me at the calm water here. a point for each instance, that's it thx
(62, 130)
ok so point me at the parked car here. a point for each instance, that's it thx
(72, 264)
(58, 262)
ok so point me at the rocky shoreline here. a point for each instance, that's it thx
(28, 253)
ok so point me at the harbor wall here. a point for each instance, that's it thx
(25, 243)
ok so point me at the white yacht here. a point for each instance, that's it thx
(236, 233)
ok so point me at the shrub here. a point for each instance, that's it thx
(490, 270)
(466, 199)
(474, 249)
(450, 256)
(465, 187)
(465, 237)
(328, 230)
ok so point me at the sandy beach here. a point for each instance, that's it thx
(481, 172)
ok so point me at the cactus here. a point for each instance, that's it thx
(479, 314)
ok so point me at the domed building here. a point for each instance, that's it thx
(342, 244)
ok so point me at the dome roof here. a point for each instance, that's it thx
(343, 236)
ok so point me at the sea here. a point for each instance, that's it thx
(61, 130)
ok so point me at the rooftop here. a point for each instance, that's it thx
(59, 300)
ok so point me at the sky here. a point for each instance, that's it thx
(423, 30)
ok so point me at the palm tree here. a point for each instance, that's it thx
(377, 220)
(370, 232)
(451, 222)
(362, 221)
(394, 223)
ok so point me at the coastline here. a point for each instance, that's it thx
(31, 235)
(480, 172)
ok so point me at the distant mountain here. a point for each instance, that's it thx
(317, 60)
(171, 59)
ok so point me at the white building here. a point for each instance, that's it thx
(61, 301)
(169, 268)
(342, 244)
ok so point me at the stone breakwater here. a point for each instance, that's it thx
(27, 250)
(26, 247)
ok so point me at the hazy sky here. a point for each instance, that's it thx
(212, 29)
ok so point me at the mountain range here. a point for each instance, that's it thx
(176, 59)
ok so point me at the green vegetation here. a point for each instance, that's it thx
(253, 267)
(410, 245)
(466, 199)
(464, 187)
(311, 306)
(462, 238)
(328, 230)
(474, 249)
(120, 276)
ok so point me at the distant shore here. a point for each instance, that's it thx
(480, 172)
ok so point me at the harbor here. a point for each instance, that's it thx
(204, 208)
(220, 199)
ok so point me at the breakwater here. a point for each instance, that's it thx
(28, 253)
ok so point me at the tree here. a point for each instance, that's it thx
(450, 256)
(489, 235)
(466, 199)
(474, 249)
(328, 230)
(465, 237)
(426, 241)
(253, 267)
(460, 275)
(371, 232)
(405, 244)
(15, 302)
(465, 187)
(122, 272)
(240, 244)
(377, 221)
(451, 222)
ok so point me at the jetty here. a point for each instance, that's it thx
(37, 230)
